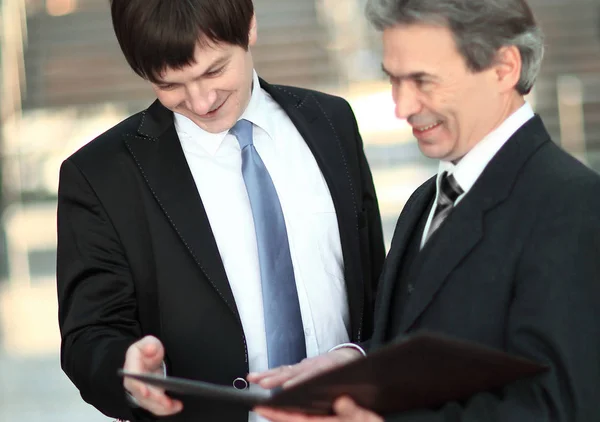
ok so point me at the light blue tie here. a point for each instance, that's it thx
(283, 321)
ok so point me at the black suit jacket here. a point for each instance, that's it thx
(516, 266)
(136, 254)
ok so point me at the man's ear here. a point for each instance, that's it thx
(507, 66)
(253, 34)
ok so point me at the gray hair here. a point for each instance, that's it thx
(480, 29)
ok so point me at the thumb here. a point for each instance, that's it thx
(152, 350)
(346, 409)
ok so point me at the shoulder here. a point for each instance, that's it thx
(102, 160)
(555, 189)
(563, 176)
(425, 191)
(329, 102)
(108, 144)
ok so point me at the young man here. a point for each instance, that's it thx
(230, 227)
(501, 247)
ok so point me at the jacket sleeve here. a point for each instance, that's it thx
(96, 297)
(373, 219)
(371, 232)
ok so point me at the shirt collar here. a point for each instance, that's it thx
(256, 112)
(470, 167)
(192, 136)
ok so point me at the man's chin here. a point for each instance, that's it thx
(430, 150)
(213, 125)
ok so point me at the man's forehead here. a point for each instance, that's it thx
(418, 47)
(417, 66)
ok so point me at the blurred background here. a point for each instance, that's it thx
(63, 81)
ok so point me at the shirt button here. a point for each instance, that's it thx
(240, 384)
(410, 289)
(307, 332)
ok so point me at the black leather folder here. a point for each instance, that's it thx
(423, 370)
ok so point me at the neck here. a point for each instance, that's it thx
(514, 102)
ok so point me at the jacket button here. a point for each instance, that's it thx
(240, 384)
(410, 289)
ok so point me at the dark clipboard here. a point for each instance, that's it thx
(424, 370)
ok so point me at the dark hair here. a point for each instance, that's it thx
(480, 28)
(159, 34)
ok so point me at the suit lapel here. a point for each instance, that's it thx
(407, 222)
(157, 152)
(463, 229)
(315, 126)
(453, 241)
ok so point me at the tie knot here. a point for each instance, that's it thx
(449, 187)
(242, 130)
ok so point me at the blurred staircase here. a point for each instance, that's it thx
(74, 59)
(572, 31)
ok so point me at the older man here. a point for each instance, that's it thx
(501, 247)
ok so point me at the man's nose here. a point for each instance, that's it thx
(201, 100)
(406, 99)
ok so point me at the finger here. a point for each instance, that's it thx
(273, 376)
(140, 392)
(256, 377)
(281, 416)
(161, 410)
(316, 367)
(347, 410)
(136, 388)
(151, 348)
(159, 403)
(284, 374)
(306, 369)
(145, 355)
(302, 376)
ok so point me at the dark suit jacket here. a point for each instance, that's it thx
(516, 266)
(136, 254)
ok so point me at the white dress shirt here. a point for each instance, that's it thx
(469, 168)
(216, 164)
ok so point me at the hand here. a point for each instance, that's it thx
(146, 356)
(287, 376)
(345, 411)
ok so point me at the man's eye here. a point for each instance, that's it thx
(215, 72)
(421, 83)
(167, 87)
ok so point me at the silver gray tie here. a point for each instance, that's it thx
(450, 190)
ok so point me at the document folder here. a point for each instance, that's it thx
(424, 370)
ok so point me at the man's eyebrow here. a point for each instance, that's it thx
(218, 63)
(412, 75)
(384, 70)
(160, 82)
